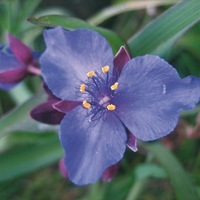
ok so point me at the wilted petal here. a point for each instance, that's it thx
(91, 146)
(121, 58)
(132, 142)
(65, 106)
(69, 56)
(151, 95)
(110, 172)
(45, 113)
(22, 52)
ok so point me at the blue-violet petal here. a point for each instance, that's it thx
(11, 71)
(69, 56)
(151, 95)
(91, 146)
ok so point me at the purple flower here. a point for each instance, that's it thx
(121, 99)
(16, 62)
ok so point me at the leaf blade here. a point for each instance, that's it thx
(114, 10)
(73, 23)
(170, 25)
(25, 159)
(19, 115)
(179, 178)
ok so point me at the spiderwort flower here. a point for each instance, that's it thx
(16, 62)
(142, 96)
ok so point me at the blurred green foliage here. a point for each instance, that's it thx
(154, 172)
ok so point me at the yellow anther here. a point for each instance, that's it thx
(111, 107)
(91, 74)
(114, 86)
(82, 87)
(86, 104)
(105, 69)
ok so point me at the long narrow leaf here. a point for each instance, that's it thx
(24, 159)
(20, 94)
(125, 7)
(28, 8)
(179, 178)
(19, 115)
(73, 23)
(165, 29)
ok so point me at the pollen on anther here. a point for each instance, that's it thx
(82, 87)
(105, 69)
(90, 73)
(114, 86)
(86, 104)
(111, 107)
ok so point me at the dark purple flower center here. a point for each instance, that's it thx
(98, 91)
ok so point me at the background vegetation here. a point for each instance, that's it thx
(29, 151)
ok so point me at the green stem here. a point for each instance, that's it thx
(179, 178)
(19, 114)
(20, 94)
(136, 190)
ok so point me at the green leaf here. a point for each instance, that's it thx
(136, 190)
(19, 138)
(142, 173)
(119, 187)
(146, 170)
(160, 34)
(27, 158)
(28, 8)
(20, 93)
(191, 113)
(73, 23)
(179, 178)
(113, 10)
(19, 116)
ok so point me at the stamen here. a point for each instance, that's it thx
(104, 100)
(91, 74)
(86, 104)
(82, 87)
(111, 107)
(114, 86)
(105, 69)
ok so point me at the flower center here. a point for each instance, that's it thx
(104, 101)
(98, 90)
